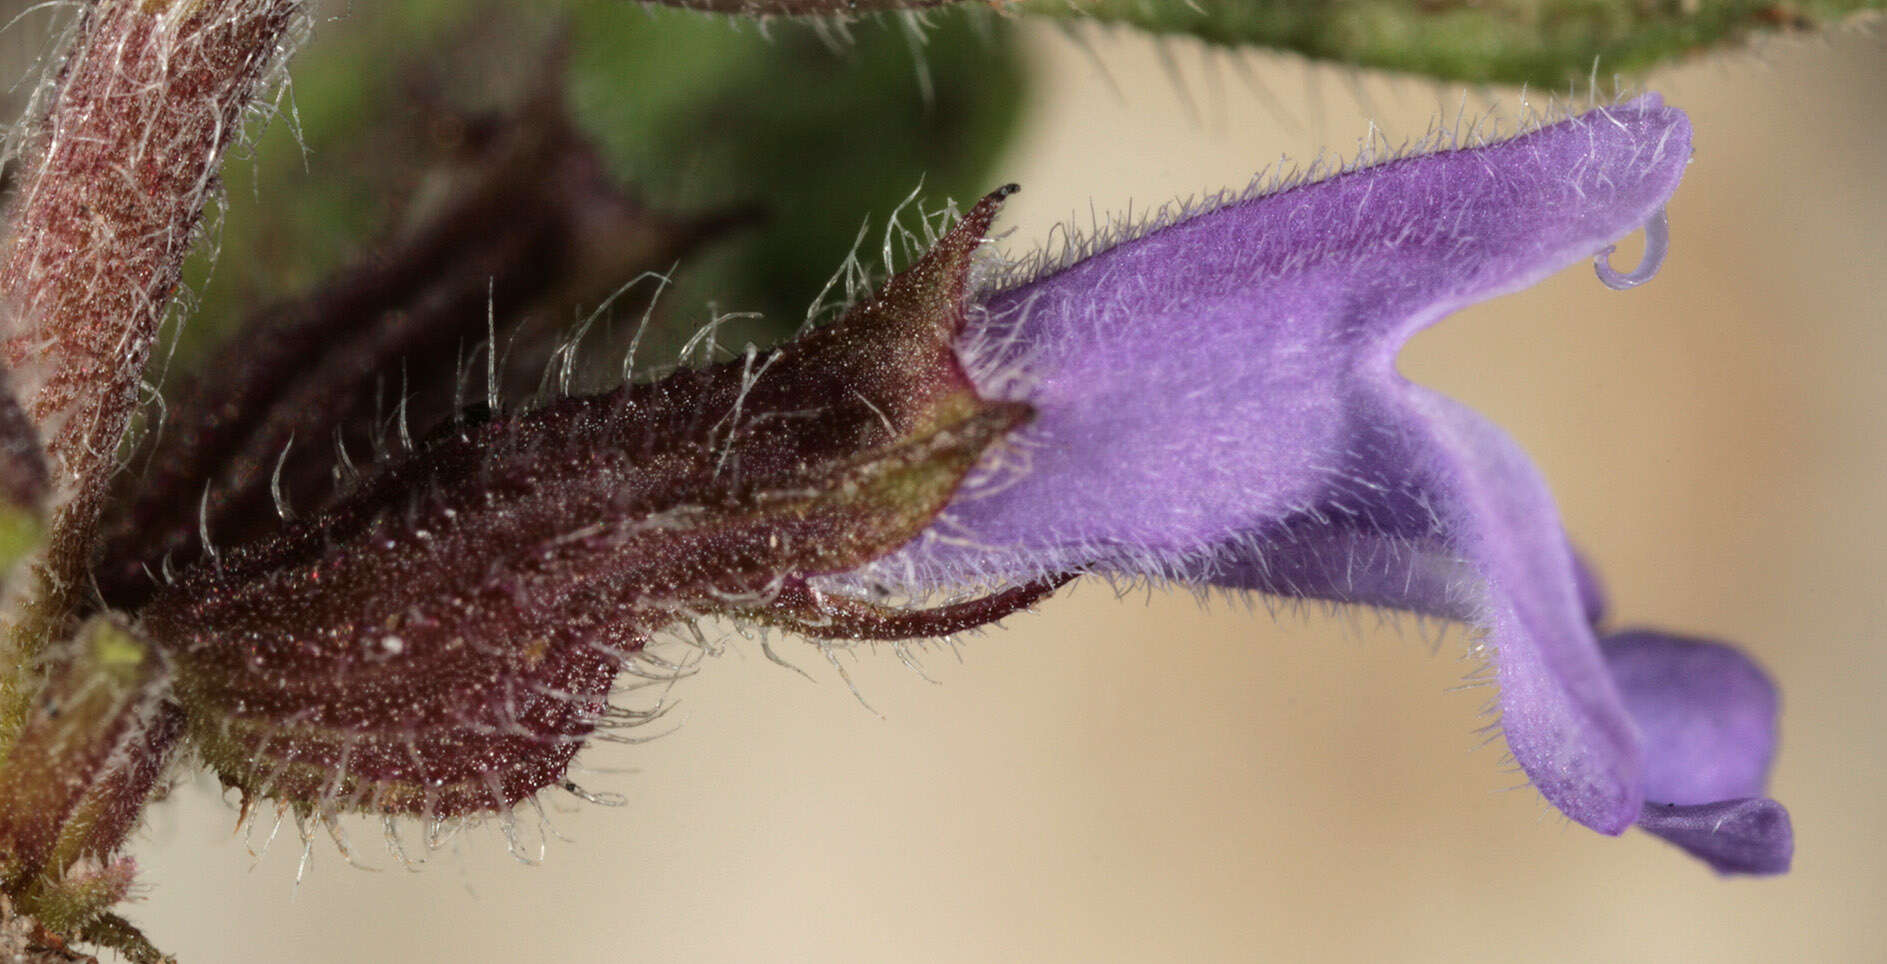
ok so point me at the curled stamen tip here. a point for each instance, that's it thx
(1657, 243)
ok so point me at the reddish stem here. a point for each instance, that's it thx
(116, 173)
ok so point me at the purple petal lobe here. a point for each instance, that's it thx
(1751, 836)
(1708, 716)
(1461, 526)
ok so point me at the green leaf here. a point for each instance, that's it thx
(1546, 43)
(697, 113)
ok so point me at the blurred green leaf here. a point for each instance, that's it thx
(1546, 43)
(694, 113)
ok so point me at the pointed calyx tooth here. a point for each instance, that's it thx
(445, 639)
(83, 755)
(801, 608)
(894, 352)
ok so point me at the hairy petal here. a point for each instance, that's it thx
(1217, 402)
(1206, 381)
(1461, 526)
(1558, 708)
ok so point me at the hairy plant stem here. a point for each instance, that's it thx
(115, 171)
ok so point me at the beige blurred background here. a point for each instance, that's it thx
(1146, 779)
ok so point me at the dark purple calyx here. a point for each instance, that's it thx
(521, 227)
(445, 639)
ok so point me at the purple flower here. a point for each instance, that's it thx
(1217, 404)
